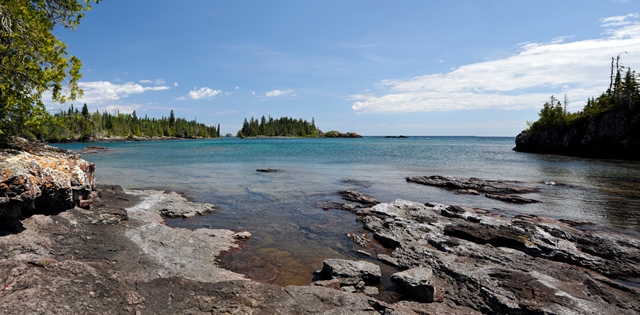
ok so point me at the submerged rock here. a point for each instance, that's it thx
(473, 184)
(511, 198)
(355, 196)
(269, 170)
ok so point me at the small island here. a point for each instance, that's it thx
(286, 127)
(607, 127)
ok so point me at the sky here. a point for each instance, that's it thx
(473, 68)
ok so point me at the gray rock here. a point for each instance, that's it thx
(349, 288)
(350, 272)
(360, 240)
(511, 198)
(331, 283)
(471, 184)
(490, 263)
(418, 283)
(370, 291)
(355, 196)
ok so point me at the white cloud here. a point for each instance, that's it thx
(203, 93)
(227, 93)
(237, 87)
(122, 109)
(580, 69)
(159, 82)
(619, 20)
(253, 92)
(145, 81)
(175, 83)
(278, 93)
(101, 92)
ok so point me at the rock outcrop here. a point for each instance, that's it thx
(336, 134)
(614, 134)
(351, 272)
(474, 259)
(36, 178)
(499, 190)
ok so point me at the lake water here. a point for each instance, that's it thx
(292, 234)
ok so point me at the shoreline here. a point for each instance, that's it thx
(125, 259)
(114, 253)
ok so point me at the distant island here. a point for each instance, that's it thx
(73, 125)
(286, 127)
(607, 127)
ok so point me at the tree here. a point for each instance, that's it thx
(172, 119)
(34, 60)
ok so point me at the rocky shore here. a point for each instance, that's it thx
(116, 255)
(612, 135)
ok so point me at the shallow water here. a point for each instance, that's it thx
(293, 235)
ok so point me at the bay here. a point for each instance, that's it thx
(283, 210)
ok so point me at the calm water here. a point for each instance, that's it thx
(293, 235)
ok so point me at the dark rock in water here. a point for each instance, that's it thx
(358, 197)
(476, 184)
(269, 170)
(511, 198)
(615, 134)
(350, 272)
(418, 283)
(93, 149)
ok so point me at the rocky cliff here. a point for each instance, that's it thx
(36, 178)
(613, 134)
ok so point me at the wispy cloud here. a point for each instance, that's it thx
(203, 93)
(122, 109)
(278, 93)
(619, 20)
(579, 68)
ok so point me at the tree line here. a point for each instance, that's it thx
(623, 94)
(81, 125)
(284, 126)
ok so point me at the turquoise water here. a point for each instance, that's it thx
(293, 235)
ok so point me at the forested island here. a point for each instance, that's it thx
(81, 125)
(287, 127)
(607, 127)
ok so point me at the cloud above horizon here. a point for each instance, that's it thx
(101, 92)
(203, 93)
(278, 93)
(524, 80)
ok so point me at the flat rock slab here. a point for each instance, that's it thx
(511, 198)
(494, 264)
(471, 184)
(351, 272)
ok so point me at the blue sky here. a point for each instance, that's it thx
(373, 67)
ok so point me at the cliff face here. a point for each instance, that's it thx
(611, 135)
(42, 179)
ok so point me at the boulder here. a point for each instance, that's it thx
(418, 283)
(37, 178)
(351, 272)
